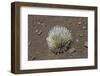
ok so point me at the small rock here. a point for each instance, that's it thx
(77, 40)
(36, 30)
(84, 27)
(40, 32)
(79, 22)
(86, 45)
(72, 50)
(34, 58)
(81, 35)
(43, 24)
(39, 23)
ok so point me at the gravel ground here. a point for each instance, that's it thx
(38, 27)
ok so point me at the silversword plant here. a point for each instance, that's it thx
(59, 39)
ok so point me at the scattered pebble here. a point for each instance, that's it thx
(79, 23)
(36, 30)
(43, 24)
(81, 35)
(39, 23)
(39, 32)
(77, 40)
(84, 27)
(86, 45)
(34, 58)
(72, 50)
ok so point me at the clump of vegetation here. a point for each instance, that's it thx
(59, 39)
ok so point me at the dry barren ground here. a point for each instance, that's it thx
(38, 27)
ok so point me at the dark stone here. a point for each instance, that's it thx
(34, 58)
